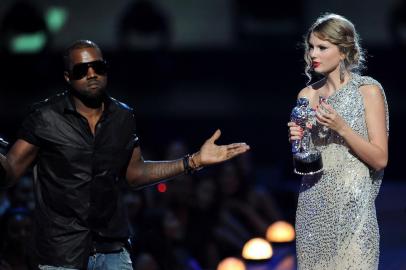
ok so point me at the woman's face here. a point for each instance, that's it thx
(325, 56)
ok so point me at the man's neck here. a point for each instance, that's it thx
(88, 112)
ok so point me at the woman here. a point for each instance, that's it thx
(336, 219)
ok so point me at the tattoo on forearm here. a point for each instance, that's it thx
(161, 170)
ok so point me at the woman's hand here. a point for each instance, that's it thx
(327, 116)
(295, 131)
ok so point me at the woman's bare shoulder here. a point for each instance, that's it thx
(311, 89)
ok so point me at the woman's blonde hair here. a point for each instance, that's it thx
(339, 31)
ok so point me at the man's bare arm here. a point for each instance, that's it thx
(16, 162)
(140, 172)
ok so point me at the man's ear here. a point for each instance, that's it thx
(66, 75)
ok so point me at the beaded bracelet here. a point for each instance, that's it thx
(189, 164)
(186, 166)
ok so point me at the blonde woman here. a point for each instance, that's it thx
(336, 219)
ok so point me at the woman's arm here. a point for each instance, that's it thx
(373, 151)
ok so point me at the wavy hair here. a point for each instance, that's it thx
(339, 31)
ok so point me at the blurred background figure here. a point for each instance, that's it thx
(16, 229)
(163, 243)
(260, 21)
(144, 26)
(397, 23)
(204, 217)
(22, 195)
(23, 29)
(244, 212)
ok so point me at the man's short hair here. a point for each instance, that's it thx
(78, 44)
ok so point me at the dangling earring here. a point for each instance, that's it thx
(342, 70)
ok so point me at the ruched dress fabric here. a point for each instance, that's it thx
(336, 222)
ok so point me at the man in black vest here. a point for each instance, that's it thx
(84, 144)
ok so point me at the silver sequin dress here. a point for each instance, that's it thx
(336, 221)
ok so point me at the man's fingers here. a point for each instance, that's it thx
(215, 136)
(235, 152)
(237, 145)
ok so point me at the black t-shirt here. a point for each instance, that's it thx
(78, 177)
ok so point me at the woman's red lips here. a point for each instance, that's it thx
(315, 64)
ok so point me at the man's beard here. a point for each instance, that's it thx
(91, 100)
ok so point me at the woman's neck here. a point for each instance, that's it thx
(333, 81)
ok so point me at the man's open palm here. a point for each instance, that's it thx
(211, 153)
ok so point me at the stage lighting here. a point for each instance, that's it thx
(56, 18)
(257, 249)
(280, 232)
(231, 263)
(28, 42)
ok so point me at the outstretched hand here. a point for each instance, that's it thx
(211, 153)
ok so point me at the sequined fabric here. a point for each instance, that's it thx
(336, 221)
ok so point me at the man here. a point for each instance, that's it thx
(84, 144)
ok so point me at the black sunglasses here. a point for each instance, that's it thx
(80, 70)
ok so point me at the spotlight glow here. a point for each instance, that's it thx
(280, 232)
(257, 249)
(28, 42)
(231, 264)
(56, 18)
